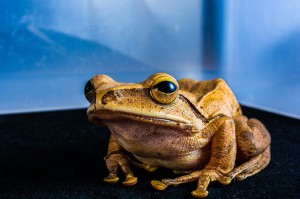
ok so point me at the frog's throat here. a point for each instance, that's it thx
(105, 114)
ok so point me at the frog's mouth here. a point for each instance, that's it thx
(100, 116)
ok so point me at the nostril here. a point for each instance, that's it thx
(104, 100)
(110, 96)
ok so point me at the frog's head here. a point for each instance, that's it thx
(157, 100)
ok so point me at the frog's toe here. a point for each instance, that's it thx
(225, 180)
(241, 176)
(130, 181)
(158, 185)
(199, 193)
(111, 179)
(151, 168)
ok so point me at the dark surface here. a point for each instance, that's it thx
(60, 155)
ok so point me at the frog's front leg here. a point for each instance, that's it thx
(222, 135)
(115, 160)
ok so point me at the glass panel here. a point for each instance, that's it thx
(49, 49)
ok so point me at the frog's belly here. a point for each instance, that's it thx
(192, 161)
(162, 146)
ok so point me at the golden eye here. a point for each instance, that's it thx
(164, 89)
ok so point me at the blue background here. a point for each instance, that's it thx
(49, 49)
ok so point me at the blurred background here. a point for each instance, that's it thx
(49, 49)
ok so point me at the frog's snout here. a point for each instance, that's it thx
(97, 85)
(103, 96)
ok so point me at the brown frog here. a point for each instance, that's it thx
(192, 127)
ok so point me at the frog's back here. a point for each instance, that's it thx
(211, 98)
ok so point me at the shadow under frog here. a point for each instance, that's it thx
(192, 127)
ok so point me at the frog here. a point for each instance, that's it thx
(195, 128)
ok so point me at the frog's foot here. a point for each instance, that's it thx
(111, 179)
(113, 162)
(158, 185)
(204, 177)
(130, 180)
(164, 183)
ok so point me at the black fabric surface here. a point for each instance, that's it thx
(60, 155)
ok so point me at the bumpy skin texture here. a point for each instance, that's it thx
(193, 127)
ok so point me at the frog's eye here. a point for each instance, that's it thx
(89, 91)
(164, 89)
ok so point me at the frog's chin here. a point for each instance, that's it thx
(100, 117)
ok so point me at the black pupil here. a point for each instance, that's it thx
(166, 87)
(88, 87)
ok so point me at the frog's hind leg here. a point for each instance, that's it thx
(249, 168)
(253, 142)
(257, 167)
(252, 138)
